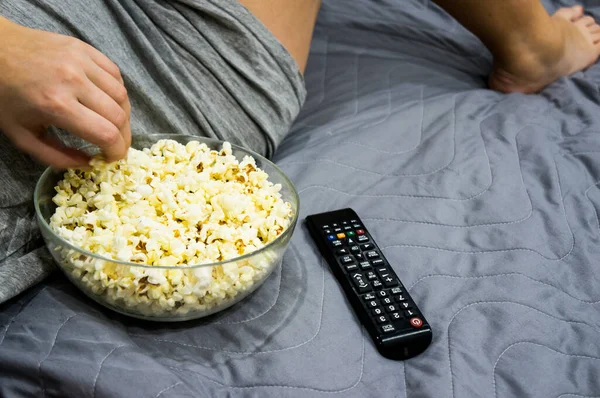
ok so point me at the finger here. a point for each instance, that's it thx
(89, 125)
(48, 150)
(106, 82)
(116, 90)
(98, 101)
(126, 131)
(105, 63)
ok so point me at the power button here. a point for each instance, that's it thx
(416, 322)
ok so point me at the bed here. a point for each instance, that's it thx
(485, 204)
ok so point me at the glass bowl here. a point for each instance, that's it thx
(144, 296)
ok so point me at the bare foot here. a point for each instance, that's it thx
(577, 46)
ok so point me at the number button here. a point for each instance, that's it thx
(396, 316)
(372, 304)
(382, 319)
(391, 308)
(377, 311)
(382, 293)
(386, 301)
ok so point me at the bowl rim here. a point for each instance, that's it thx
(45, 226)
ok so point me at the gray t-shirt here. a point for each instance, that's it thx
(198, 67)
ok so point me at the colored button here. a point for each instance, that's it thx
(350, 233)
(360, 231)
(341, 235)
(331, 237)
(416, 322)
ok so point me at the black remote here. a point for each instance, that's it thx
(396, 325)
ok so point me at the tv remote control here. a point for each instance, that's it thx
(394, 322)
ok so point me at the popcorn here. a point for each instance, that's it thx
(169, 206)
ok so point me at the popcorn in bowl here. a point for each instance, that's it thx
(169, 208)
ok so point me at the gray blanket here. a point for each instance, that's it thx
(485, 204)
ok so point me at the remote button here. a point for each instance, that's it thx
(351, 233)
(388, 281)
(334, 225)
(400, 298)
(354, 249)
(365, 265)
(382, 293)
(344, 222)
(371, 275)
(342, 252)
(327, 231)
(377, 284)
(396, 316)
(362, 238)
(341, 235)
(409, 313)
(405, 305)
(377, 312)
(361, 284)
(356, 225)
(350, 242)
(388, 328)
(326, 226)
(336, 243)
(369, 296)
(336, 230)
(391, 308)
(359, 256)
(416, 322)
(346, 259)
(351, 267)
(372, 304)
(372, 254)
(387, 301)
(354, 221)
(378, 262)
(367, 246)
(360, 231)
(396, 290)
(348, 228)
(331, 237)
(382, 319)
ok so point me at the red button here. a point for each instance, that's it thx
(360, 232)
(416, 322)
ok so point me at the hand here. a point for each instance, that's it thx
(47, 79)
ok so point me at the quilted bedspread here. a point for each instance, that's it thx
(485, 204)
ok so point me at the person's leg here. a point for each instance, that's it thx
(531, 49)
(291, 22)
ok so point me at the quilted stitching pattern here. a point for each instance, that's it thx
(487, 205)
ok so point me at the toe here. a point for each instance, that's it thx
(586, 21)
(570, 13)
